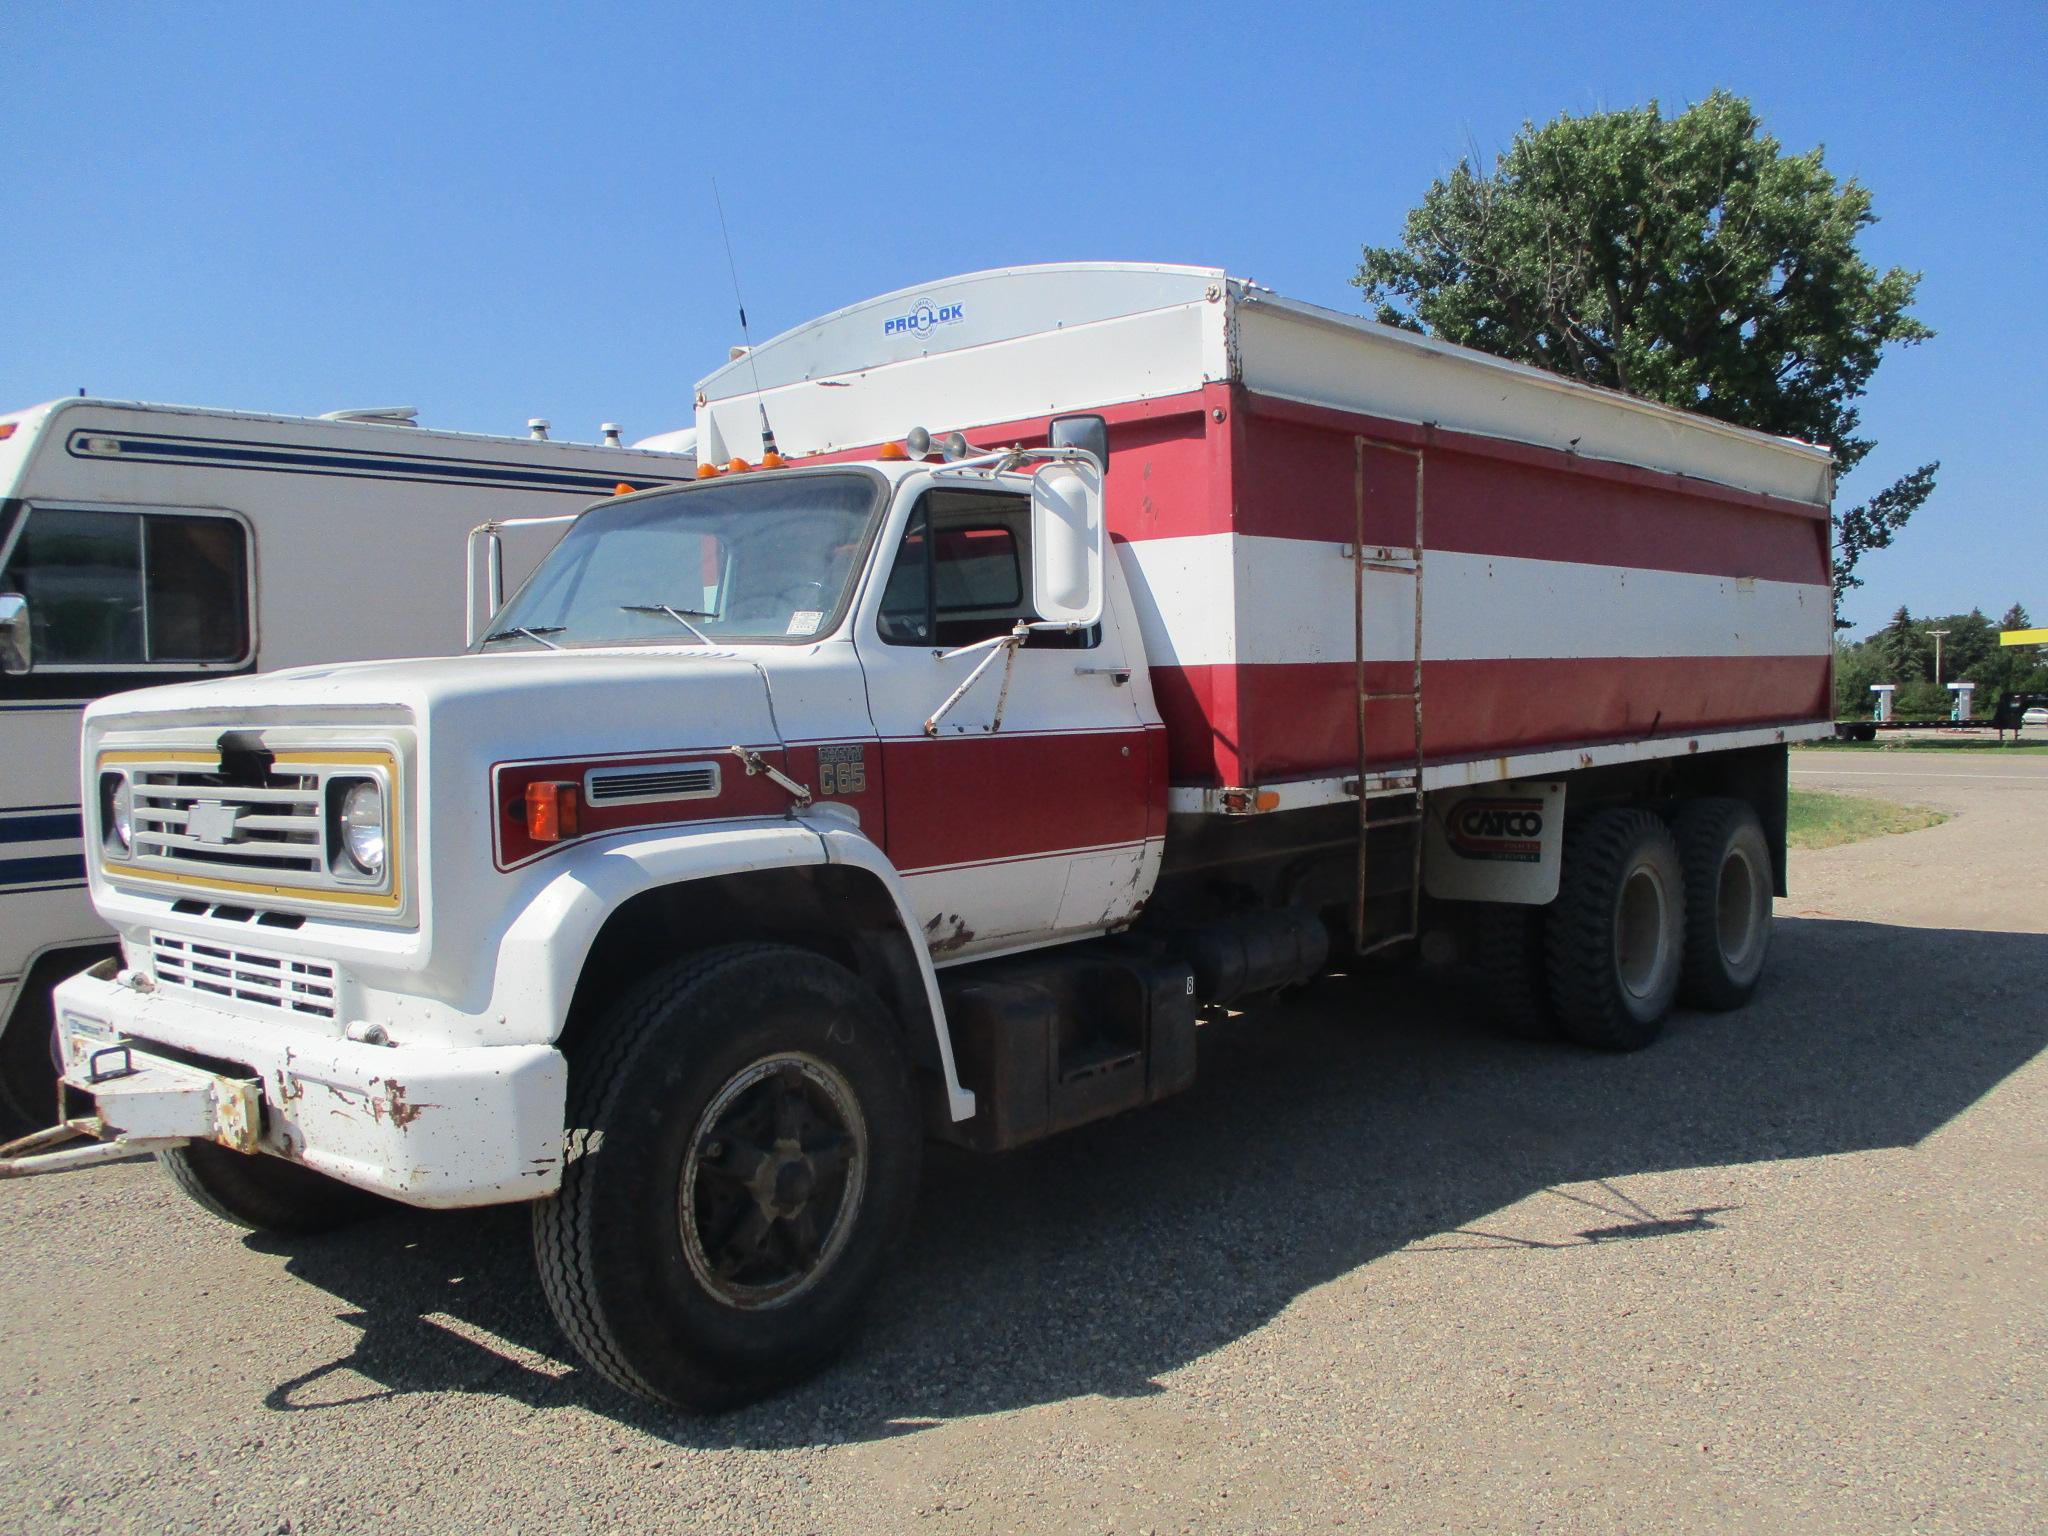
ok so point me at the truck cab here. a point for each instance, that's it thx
(835, 727)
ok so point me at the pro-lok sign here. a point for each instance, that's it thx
(923, 318)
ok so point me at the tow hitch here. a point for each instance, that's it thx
(143, 1104)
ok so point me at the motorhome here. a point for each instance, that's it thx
(146, 544)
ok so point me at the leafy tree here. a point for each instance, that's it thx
(1969, 642)
(2016, 618)
(1685, 259)
(1856, 668)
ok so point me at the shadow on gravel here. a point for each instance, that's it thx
(1357, 1117)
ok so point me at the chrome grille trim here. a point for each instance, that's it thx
(269, 836)
(289, 844)
(291, 983)
(644, 783)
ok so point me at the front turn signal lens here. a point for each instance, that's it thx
(552, 811)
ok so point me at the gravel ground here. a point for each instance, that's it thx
(1379, 1270)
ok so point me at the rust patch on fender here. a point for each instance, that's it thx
(957, 936)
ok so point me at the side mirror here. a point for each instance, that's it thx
(1090, 434)
(1066, 544)
(17, 651)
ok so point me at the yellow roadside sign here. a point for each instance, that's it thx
(2023, 637)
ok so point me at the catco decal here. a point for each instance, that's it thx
(1508, 831)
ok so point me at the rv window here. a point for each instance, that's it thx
(124, 589)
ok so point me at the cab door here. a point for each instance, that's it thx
(1021, 816)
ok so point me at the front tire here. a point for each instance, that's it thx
(1615, 938)
(1727, 902)
(265, 1194)
(743, 1154)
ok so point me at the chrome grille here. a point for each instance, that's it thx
(186, 819)
(289, 982)
(261, 829)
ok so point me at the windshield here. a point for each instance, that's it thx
(768, 559)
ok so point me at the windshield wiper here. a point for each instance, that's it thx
(539, 634)
(681, 615)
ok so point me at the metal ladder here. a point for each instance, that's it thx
(1404, 562)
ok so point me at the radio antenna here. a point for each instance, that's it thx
(767, 432)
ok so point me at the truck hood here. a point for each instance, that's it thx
(544, 699)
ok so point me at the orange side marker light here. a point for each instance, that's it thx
(552, 811)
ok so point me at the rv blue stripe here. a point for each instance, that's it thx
(42, 871)
(227, 454)
(41, 829)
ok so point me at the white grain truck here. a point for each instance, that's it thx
(149, 544)
(853, 795)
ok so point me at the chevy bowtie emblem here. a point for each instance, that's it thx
(210, 821)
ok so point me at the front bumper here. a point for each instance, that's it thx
(427, 1125)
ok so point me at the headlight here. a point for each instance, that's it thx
(362, 826)
(117, 814)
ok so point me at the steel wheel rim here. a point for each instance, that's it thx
(1642, 938)
(773, 1180)
(1738, 913)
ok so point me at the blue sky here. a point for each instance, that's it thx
(495, 212)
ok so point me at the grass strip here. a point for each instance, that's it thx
(1816, 819)
(2025, 748)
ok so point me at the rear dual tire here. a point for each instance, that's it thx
(1728, 888)
(1646, 915)
(1615, 938)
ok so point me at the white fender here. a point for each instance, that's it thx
(541, 954)
(844, 845)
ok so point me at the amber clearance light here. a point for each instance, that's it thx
(552, 810)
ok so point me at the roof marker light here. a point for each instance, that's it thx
(892, 452)
(738, 467)
(707, 471)
(622, 489)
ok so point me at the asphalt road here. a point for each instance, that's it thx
(1379, 1270)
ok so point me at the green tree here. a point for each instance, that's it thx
(1685, 259)
(2016, 618)
(1970, 641)
(1856, 668)
(1902, 649)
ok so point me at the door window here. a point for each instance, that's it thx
(960, 574)
(124, 589)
